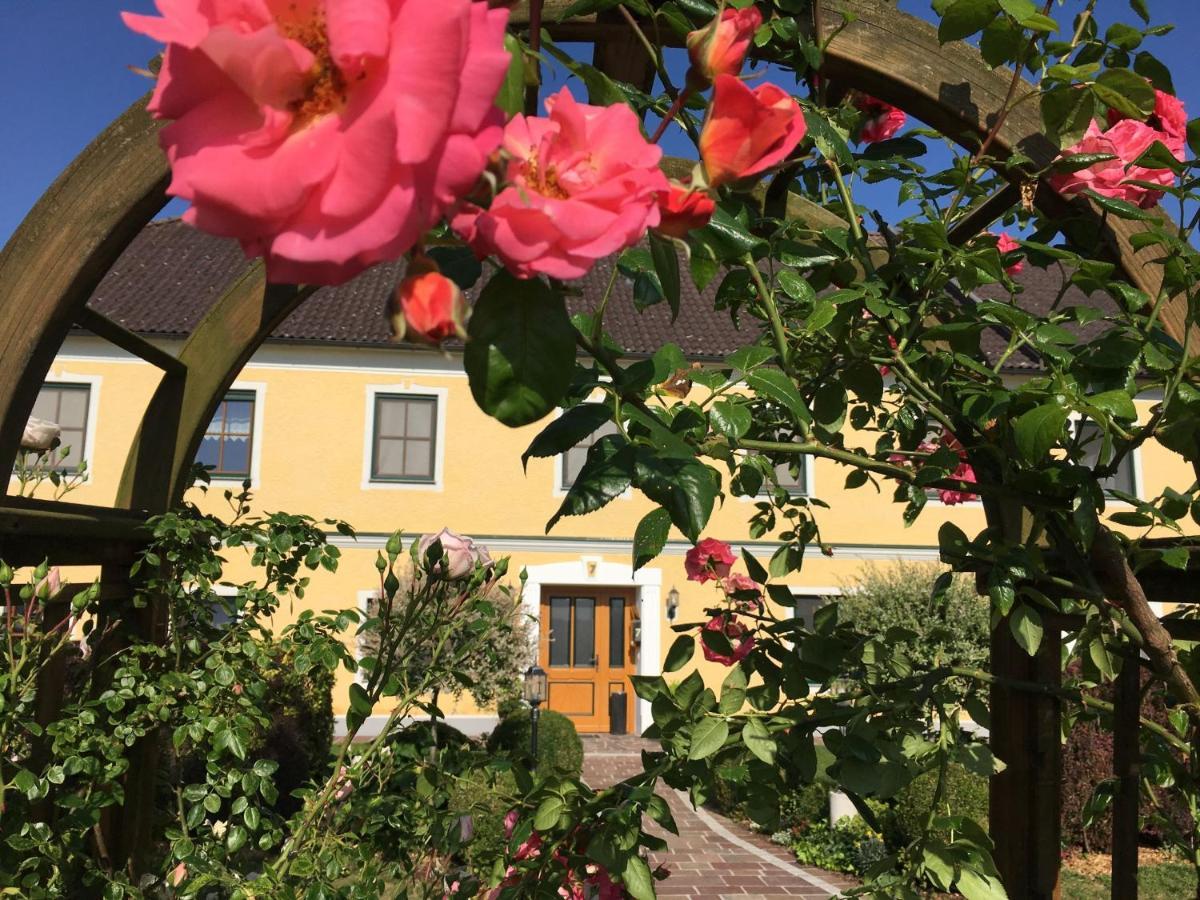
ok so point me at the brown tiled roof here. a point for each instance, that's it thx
(171, 274)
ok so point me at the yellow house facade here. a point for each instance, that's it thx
(343, 425)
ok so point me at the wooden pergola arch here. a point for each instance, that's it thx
(92, 212)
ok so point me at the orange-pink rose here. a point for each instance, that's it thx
(326, 135)
(882, 120)
(1127, 140)
(581, 185)
(721, 47)
(682, 209)
(427, 306)
(748, 131)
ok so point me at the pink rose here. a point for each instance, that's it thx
(748, 131)
(1006, 245)
(49, 586)
(427, 306)
(963, 472)
(581, 185)
(720, 48)
(881, 120)
(708, 560)
(326, 136)
(1169, 117)
(178, 875)
(682, 209)
(748, 591)
(461, 553)
(510, 822)
(1127, 140)
(739, 636)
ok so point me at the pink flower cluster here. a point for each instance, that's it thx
(326, 136)
(962, 472)
(593, 882)
(1127, 139)
(713, 560)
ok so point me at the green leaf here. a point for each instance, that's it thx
(1122, 209)
(733, 692)
(775, 385)
(964, 18)
(1116, 403)
(796, 286)
(730, 418)
(511, 97)
(637, 878)
(686, 489)
(459, 264)
(548, 813)
(680, 654)
(1125, 91)
(235, 838)
(708, 737)
(666, 265)
(1066, 112)
(567, 430)
(650, 536)
(829, 141)
(1026, 625)
(1038, 430)
(759, 741)
(606, 473)
(521, 354)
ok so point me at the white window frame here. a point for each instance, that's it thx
(259, 390)
(93, 383)
(810, 484)
(1135, 461)
(440, 395)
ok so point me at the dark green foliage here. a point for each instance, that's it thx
(849, 846)
(300, 736)
(965, 794)
(951, 630)
(485, 796)
(560, 751)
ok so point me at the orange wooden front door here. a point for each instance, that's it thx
(585, 648)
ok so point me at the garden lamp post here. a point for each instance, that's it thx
(536, 689)
(672, 604)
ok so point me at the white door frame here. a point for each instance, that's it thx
(594, 571)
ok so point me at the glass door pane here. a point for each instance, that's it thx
(616, 632)
(560, 631)
(585, 632)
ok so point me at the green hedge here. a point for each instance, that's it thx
(486, 802)
(965, 794)
(560, 751)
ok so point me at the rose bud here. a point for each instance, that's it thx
(427, 306)
(720, 48)
(748, 131)
(682, 209)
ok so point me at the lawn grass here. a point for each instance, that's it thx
(1166, 881)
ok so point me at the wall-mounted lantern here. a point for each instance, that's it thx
(672, 604)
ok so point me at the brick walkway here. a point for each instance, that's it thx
(712, 857)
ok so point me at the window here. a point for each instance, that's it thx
(806, 606)
(404, 445)
(791, 475)
(573, 459)
(1091, 443)
(67, 406)
(227, 448)
(572, 636)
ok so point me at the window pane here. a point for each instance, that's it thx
(72, 439)
(417, 463)
(46, 405)
(221, 616)
(67, 406)
(573, 459)
(389, 459)
(616, 632)
(560, 631)
(585, 632)
(238, 416)
(390, 414)
(235, 457)
(806, 608)
(209, 453)
(420, 419)
(1092, 444)
(72, 407)
(793, 482)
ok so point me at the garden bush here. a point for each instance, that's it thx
(486, 797)
(965, 794)
(560, 751)
(850, 846)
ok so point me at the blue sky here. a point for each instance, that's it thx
(65, 65)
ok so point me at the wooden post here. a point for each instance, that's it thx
(1126, 759)
(1024, 812)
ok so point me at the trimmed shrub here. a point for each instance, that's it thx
(952, 630)
(560, 751)
(486, 802)
(849, 846)
(965, 794)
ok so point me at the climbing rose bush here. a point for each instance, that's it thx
(748, 130)
(1169, 118)
(580, 185)
(427, 306)
(881, 120)
(1117, 178)
(326, 136)
(682, 209)
(708, 560)
(720, 49)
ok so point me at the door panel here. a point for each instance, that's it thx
(585, 650)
